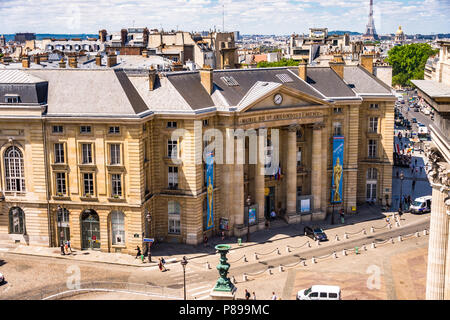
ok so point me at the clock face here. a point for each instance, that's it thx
(278, 98)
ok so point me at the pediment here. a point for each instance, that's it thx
(276, 96)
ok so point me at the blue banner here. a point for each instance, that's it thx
(252, 215)
(210, 190)
(338, 169)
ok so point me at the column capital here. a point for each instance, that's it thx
(438, 171)
(293, 127)
(318, 126)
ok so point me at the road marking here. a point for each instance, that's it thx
(198, 288)
(203, 298)
(201, 292)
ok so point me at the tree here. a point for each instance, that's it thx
(408, 62)
(282, 63)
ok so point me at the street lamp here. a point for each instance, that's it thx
(149, 220)
(249, 202)
(333, 190)
(184, 262)
(402, 176)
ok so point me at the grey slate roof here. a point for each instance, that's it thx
(327, 81)
(30, 89)
(363, 82)
(191, 89)
(433, 88)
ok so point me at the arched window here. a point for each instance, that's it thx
(118, 227)
(14, 173)
(16, 221)
(371, 184)
(174, 210)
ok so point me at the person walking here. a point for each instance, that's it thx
(161, 264)
(247, 295)
(341, 214)
(138, 254)
(254, 295)
(205, 240)
(62, 249)
(413, 184)
(274, 296)
(68, 245)
(66, 248)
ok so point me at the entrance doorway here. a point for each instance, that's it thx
(269, 202)
(90, 230)
(63, 226)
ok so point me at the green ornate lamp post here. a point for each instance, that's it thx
(224, 288)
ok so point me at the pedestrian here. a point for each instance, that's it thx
(223, 235)
(247, 295)
(413, 184)
(160, 265)
(142, 258)
(68, 245)
(254, 295)
(163, 263)
(274, 296)
(62, 249)
(341, 213)
(66, 248)
(205, 240)
(138, 254)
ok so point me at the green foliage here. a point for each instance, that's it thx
(408, 62)
(282, 63)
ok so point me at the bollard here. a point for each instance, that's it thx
(345, 235)
(373, 245)
(245, 258)
(397, 224)
(313, 260)
(281, 268)
(364, 231)
(417, 234)
(425, 232)
(269, 270)
(344, 252)
(256, 256)
(244, 277)
(389, 226)
(363, 247)
(239, 241)
(278, 251)
(207, 265)
(399, 238)
(392, 240)
(336, 238)
(356, 250)
(334, 255)
(288, 249)
(309, 245)
(304, 263)
(318, 242)
(372, 229)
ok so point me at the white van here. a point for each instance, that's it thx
(320, 292)
(421, 205)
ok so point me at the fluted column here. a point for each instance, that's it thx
(238, 193)
(259, 191)
(447, 263)
(291, 171)
(316, 168)
(437, 247)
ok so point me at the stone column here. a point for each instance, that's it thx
(316, 167)
(259, 192)
(437, 247)
(447, 263)
(291, 171)
(238, 187)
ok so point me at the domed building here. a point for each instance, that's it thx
(400, 36)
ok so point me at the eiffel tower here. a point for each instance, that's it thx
(371, 33)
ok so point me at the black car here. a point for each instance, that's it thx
(315, 233)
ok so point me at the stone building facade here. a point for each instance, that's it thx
(108, 157)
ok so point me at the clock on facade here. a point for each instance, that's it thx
(278, 98)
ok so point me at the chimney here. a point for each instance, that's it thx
(98, 59)
(111, 60)
(123, 36)
(73, 62)
(145, 53)
(302, 70)
(151, 78)
(44, 57)
(25, 61)
(102, 35)
(206, 77)
(62, 63)
(337, 64)
(367, 62)
(37, 59)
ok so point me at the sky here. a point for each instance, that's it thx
(247, 16)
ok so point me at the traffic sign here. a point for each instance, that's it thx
(149, 240)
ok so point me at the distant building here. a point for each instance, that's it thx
(400, 36)
(23, 37)
(2, 41)
(371, 33)
(237, 36)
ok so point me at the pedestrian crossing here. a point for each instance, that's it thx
(201, 292)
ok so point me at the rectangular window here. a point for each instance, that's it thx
(116, 185)
(85, 129)
(174, 225)
(337, 110)
(86, 149)
(57, 129)
(172, 148)
(373, 124)
(60, 183)
(171, 124)
(14, 99)
(374, 106)
(88, 184)
(114, 152)
(299, 157)
(372, 148)
(205, 122)
(337, 128)
(114, 130)
(173, 177)
(59, 153)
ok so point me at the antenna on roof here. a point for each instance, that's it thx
(223, 17)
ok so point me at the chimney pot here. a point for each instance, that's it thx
(206, 78)
(367, 62)
(73, 61)
(62, 63)
(111, 60)
(25, 61)
(337, 64)
(98, 60)
(151, 78)
(302, 70)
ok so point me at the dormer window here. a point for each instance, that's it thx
(12, 98)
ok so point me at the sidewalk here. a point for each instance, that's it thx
(262, 241)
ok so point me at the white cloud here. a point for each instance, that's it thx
(248, 16)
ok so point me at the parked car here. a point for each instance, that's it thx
(414, 120)
(320, 292)
(421, 205)
(2, 278)
(316, 233)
